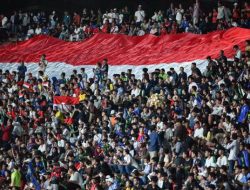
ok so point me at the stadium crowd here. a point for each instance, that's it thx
(165, 130)
(78, 26)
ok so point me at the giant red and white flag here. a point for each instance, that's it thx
(65, 102)
(123, 52)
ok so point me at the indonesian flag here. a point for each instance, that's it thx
(78, 166)
(27, 85)
(123, 52)
(45, 84)
(21, 94)
(65, 102)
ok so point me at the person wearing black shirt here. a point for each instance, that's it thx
(195, 69)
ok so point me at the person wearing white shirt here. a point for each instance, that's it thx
(147, 168)
(30, 32)
(75, 177)
(105, 17)
(135, 91)
(115, 15)
(155, 17)
(234, 148)
(38, 30)
(114, 29)
(4, 22)
(42, 147)
(127, 161)
(210, 160)
(60, 142)
(196, 11)
(199, 131)
(238, 175)
(221, 11)
(179, 13)
(238, 53)
(26, 19)
(141, 32)
(121, 17)
(139, 15)
(222, 160)
(76, 34)
(154, 30)
(110, 16)
(190, 86)
(226, 124)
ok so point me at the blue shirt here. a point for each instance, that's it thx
(153, 141)
(245, 178)
(243, 113)
(22, 69)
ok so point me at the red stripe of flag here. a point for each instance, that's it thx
(66, 100)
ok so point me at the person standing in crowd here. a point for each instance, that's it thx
(154, 142)
(139, 15)
(43, 63)
(238, 53)
(22, 69)
(16, 178)
(234, 147)
(105, 68)
(221, 11)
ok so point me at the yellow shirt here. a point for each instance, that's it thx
(82, 97)
(59, 115)
(111, 87)
(16, 178)
(248, 48)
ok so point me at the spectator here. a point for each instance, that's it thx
(22, 69)
(139, 15)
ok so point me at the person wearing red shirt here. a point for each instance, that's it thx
(214, 18)
(174, 28)
(167, 24)
(246, 10)
(88, 30)
(76, 19)
(105, 28)
(6, 132)
(163, 30)
(236, 12)
(11, 112)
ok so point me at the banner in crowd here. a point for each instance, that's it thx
(65, 102)
(123, 52)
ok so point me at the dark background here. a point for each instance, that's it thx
(6, 6)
